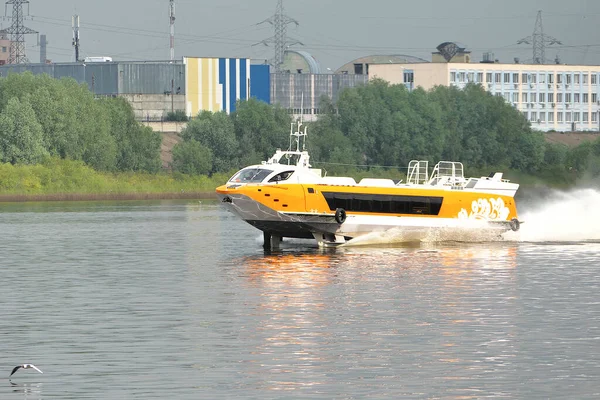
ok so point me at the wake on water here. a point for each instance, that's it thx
(572, 216)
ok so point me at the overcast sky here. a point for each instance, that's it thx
(333, 31)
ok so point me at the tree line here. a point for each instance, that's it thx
(380, 124)
(42, 117)
(372, 126)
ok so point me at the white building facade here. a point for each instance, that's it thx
(562, 98)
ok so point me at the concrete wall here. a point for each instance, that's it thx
(154, 107)
(166, 126)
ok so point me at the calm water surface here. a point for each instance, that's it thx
(177, 300)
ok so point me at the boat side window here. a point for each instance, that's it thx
(384, 204)
(251, 175)
(282, 176)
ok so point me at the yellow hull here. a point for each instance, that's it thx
(305, 210)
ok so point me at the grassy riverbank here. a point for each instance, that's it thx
(65, 180)
(56, 180)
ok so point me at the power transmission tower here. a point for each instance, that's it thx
(76, 36)
(17, 31)
(280, 40)
(172, 24)
(539, 40)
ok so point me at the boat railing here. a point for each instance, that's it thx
(448, 173)
(418, 172)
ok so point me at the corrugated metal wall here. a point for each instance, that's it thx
(304, 91)
(114, 78)
(151, 78)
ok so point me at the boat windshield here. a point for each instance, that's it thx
(251, 175)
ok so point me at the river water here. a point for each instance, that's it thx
(177, 300)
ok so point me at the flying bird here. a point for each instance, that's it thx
(25, 366)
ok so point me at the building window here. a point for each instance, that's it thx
(471, 77)
(524, 97)
(567, 117)
(542, 117)
(498, 77)
(586, 117)
(576, 98)
(568, 81)
(550, 97)
(515, 97)
(576, 117)
(594, 117)
(559, 117)
(594, 97)
(533, 116)
(576, 79)
(533, 78)
(585, 78)
(506, 77)
(524, 78)
(542, 78)
(559, 97)
(559, 78)
(586, 98)
(516, 78)
(550, 78)
(594, 79)
(4, 49)
(488, 77)
(452, 76)
(462, 77)
(568, 98)
(507, 97)
(542, 97)
(480, 77)
(550, 117)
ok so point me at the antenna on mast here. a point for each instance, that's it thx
(75, 23)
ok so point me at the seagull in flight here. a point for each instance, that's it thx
(25, 366)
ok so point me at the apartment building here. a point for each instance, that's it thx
(557, 97)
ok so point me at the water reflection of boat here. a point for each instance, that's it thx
(348, 308)
(285, 197)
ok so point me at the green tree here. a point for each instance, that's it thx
(192, 158)
(138, 147)
(215, 131)
(259, 129)
(21, 139)
(329, 148)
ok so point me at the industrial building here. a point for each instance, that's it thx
(155, 88)
(553, 97)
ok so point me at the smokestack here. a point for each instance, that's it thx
(43, 47)
(172, 23)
